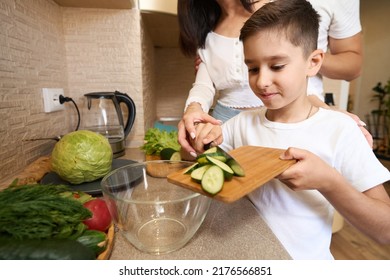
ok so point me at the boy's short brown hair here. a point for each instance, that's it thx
(297, 19)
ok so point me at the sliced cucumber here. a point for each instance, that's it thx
(170, 154)
(197, 174)
(213, 179)
(191, 168)
(211, 150)
(227, 171)
(176, 156)
(219, 156)
(202, 160)
(237, 169)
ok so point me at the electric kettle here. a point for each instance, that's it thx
(102, 113)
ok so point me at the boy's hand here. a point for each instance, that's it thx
(309, 171)
(206, 133)
(186, 127)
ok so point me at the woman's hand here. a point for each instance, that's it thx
(186, 127)
(197, 61)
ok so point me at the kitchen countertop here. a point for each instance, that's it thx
(229, 231)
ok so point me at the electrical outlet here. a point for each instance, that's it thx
(51, 99)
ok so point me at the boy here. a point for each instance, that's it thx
(335, 168)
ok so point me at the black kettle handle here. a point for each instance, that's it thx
(124, 98)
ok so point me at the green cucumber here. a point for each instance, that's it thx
(217, 155)
(237, 169)
(227, 171)
(191, 168)
(197, 174)
(212, 180)
(94, 239)
(44, 249)
(170, 154)
(211, 150)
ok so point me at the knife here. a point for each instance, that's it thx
(237, 168)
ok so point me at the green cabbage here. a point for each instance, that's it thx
(82, 156)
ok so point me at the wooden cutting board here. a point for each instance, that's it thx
(259, 163)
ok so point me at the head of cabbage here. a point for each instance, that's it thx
(82, 156)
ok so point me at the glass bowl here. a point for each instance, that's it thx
(156, 216)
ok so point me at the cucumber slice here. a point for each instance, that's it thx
(227, 171)
(211, 150)
(212, 180)
(219, 156)
(176, 156)
(197, 174)
(237, 169)
(170, 154)
(191, 168)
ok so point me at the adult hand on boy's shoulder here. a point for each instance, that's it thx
(361, 125)
(310, 171)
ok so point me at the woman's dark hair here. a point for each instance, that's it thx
(296, 19)
(196, 19)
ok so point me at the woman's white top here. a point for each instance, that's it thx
(223, 69)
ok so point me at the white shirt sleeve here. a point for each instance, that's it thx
(346, 19)
(202, 90)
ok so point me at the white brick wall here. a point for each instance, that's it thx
(80, 50)
(32, 56)
(103, 53)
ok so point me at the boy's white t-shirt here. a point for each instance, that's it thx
(302, 220)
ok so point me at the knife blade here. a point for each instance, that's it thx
(233, 163)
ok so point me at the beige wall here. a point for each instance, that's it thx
(78, 49)
(174, 77)
(32, 56)
(103, 53)
(376, 66)
(148, 79)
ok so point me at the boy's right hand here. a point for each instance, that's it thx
(207, 134)
(186, 127)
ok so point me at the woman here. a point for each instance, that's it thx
(212, 28)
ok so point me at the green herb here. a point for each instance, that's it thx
(156, 140)
(40, 211)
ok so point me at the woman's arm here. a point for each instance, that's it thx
(199, 101)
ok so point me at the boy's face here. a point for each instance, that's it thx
(278, 70)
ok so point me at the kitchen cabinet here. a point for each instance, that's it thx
(103, 4)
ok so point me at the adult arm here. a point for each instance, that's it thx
(199, 101)
(344, 59)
